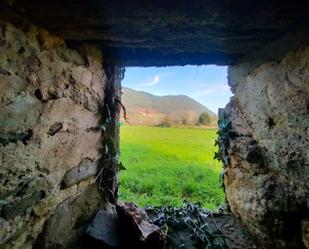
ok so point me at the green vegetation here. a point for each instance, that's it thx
(204, 118)
(166, 122)
(165, 166)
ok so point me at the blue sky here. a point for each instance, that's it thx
(206, 84)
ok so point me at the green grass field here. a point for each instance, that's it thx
(165, 166)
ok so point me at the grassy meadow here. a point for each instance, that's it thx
(165, 166)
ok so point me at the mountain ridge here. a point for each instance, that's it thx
(144, 108)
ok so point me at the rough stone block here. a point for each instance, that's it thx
(139, 229)
(84, 170)
(10, 210)
(264, 147)
(105, 228)
(70, 214)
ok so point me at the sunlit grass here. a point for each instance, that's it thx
(168, 165)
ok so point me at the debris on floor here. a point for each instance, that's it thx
(126, 226)
(194, 227)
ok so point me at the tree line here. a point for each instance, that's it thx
(203, 119)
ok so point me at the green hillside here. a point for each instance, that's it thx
(147, 109)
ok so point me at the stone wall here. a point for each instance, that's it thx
(50, 137)
(264, 146)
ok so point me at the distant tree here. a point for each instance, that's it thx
(185, 120)
(204, 118)
(167, 121)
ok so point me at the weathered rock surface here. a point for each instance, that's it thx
(49, 119)
(69, 215)
(264, 146)
(105, 227)
(84, 170)
(124, 226)
(161, 33)
(139, 231)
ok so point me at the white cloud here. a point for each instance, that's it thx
(212, 89)
(155, 79)
(151, 81)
